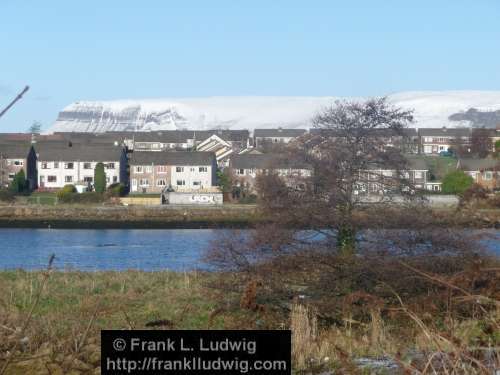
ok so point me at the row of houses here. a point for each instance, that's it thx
(414, 141)
(52, 161)
(420, 174)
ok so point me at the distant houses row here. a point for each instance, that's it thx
(150, 162)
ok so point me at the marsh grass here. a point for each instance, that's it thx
(64, 330)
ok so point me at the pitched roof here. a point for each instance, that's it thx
(279, 132)
(64, 151)
(181, 136)
(172, 158)
(265, 161)
(417, 163)
(15, 150)
(478, 164)
(378, 132)
(444, 132)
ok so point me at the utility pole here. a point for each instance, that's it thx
(15, 100)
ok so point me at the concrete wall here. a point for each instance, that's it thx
(193, 198)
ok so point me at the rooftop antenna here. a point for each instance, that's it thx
(19, 96)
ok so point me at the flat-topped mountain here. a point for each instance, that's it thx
(432, 109)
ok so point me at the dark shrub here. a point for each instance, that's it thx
(116, 190)
(476, 191)
(19, 185)
(7, 195)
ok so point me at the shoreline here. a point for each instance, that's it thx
(187, 217)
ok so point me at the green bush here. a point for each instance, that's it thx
(116, 190)
(456, 182)
(19, 184)
(82, 198)
(99, 178)
(7, 195)
(64, 194)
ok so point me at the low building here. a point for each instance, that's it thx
(14, 157)
(378, 180)
(265, 137)
(152, 172)
(485, 172)
(222, 149)
(179, 140)
(63, 163)
(436, 140)
(246, 167)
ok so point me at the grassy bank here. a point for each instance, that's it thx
(150, 217)
(62, 334)
(166, 217)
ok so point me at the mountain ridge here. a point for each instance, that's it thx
(432, 109)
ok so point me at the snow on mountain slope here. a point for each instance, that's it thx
(432, 109)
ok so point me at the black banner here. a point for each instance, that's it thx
(196, 352)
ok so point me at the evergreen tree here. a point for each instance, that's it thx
(456, 182)
(99, 178)
(19, 184)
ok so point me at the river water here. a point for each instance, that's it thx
(117, 249)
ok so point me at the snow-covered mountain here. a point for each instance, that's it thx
(432, 109)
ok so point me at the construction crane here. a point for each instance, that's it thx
(15, 100)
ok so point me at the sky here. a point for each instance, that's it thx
(116, 49)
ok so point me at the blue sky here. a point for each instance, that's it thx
(95, 49)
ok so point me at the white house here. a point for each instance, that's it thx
(61, 163)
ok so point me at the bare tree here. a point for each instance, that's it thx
(335, 233)
(481, 143)
(351, 165)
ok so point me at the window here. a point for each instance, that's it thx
(68, 178)
(179, 169)
(87, 165)
(68, 165)
(148, 169)
(56, 165)
(240, 171)
(387, 173)
(138, 169)
(487, 175)
(419, 174)
(196, 183)
(51, 178)
(88, 179)
(45, 165)
(115, 179)
(203, 169)
(162, 169)
(191, 169)
(110, 166)
(181, 182)
(107, 179)
(144, 182)
(11, 176)
(161, 182)
(18, 162)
